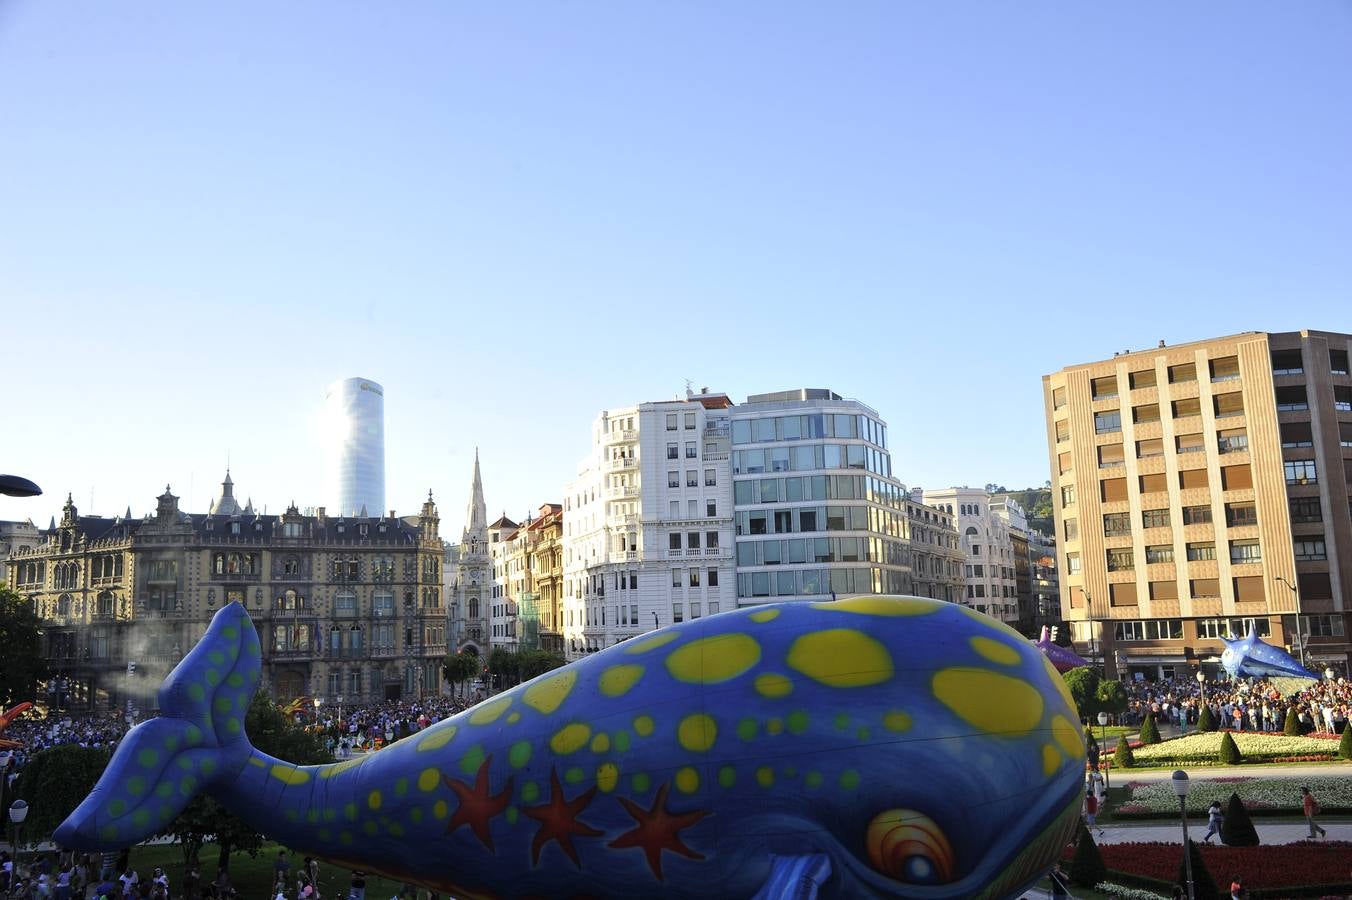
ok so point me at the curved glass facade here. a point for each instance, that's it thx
(355, 408)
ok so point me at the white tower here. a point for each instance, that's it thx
(355, 410)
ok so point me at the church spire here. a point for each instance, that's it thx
(227, 505)
(476, 514)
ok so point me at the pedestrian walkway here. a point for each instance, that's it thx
(1269, 832)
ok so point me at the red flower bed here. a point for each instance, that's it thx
(1286, 865)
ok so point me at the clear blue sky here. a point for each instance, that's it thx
(515, 215)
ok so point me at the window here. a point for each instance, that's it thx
(1306, 509)
(1064, 462)
(692, 540)
(1345, 434)
(1142, 379)
(1196, 515)
(711, 509)
(1239, 515)
(1068, 495)
(1292, 398)
(1300, 471)
(1192, 478)
(1287, 362)
(671, 421)
(1122, 594)
(1110, 455)
(1159, 553)
(674, 541)
(1187, 407)
(713, 582)
(1113, 490)
(1150, 412)
(1149, 448)
(1155, 518)
(1117, 524)
(1108, 421)
(710, 478)
(345, 603)
(694, 577)
(673, 451)
(689, 420)
(1201, 551)
(1153, 484)
(691, 478)
(1338, 362)
(1104, 388)
(1342, 398)
(1236, 478)
(678, 612)
(1232, 628)
(1225, 368)
(1062, 430)
(1163, 590)
(1072, 527)
(1189, 443)
(1121, 560)
(691, 452)
(1309, 549)
(1227, 405)
(1181, 373)
(673, 479)
(1245, 552)
(1322, 626)
(1205, 587)
(1232, 440)
(1058, 398)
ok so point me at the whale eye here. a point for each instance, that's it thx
(1227, 654)
(909, 846)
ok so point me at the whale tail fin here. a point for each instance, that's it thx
(196, 743)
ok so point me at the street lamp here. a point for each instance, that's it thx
(1180, 783)
(340, 709)
(1201, 682)
(1300, 641)
(17, 813)
(1103, 734)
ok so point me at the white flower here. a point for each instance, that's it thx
(1127, 893)
(1204, 748)
(1270, 793)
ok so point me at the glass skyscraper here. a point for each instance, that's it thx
(355, 409)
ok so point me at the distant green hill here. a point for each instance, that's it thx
(1037, 504)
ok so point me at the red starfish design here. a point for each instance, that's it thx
(558, 820)
(658, 830)
(477, 805)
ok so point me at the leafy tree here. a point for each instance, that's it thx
(1345, 744)
(1150, 732)
(1123, 758)
(1291, 728)
(1229, 751)
(1237, 828)
(459, 668)
(1206, 721)
(21, 664)
(1111, 697)
(538, 662)
(505, 666)
(1083, 683)
(1204, 886)
(55, 781)
(271, 732)
(1087, 868)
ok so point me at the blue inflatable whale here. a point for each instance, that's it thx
(1252, 656)
(877, 746)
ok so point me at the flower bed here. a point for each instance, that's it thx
(1260, 795)
(1203, 749)
(1303, 865)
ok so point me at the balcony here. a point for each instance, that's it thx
(621, 465)
(620, 493)
(621, 521)
(621, 437)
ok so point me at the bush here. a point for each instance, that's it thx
(1087, 868)
(1206, 721)
(1345, 745)
(1237, 828)
(1229, 753)
(1123, 758)
(1204, 886)
(1292, 726)
(1150, 732)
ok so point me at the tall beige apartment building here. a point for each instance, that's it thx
(1201, 489)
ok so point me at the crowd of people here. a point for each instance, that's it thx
(370, 727)
(1246, 705)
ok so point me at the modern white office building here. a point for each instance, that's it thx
(355, 414)
(648, 522)
(985, 535)
(818, 512)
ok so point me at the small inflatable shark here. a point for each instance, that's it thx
(1064, 660)
(870, 747)
(1252, 656)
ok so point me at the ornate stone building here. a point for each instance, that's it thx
(348, 607)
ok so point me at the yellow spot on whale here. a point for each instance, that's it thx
(841, 657)
(993, 702)
(373, 800)
(1068, 736)
(439, 738)
(652, 643)
(440, 809)
(607, 776)
(995, 651)
(697, 733)
(570, 738)
(617, 680)
(1059, 682)
(490, 711)
(429, 779)
(773, 685)
(339, 768)
(600, 743)
(765, 615)
(713, 660)
(290, 775)
(687, 780)
(765, 776)
(896, 720)
(513, 718)
(548, 695)
(1051, 760)
(774, 726)
(255, 761)
(883, 606)
(643, 725)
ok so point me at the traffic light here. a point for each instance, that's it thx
(131, 667)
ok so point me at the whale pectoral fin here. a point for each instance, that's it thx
(795, 877)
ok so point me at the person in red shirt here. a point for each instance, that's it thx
(1311, 807)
